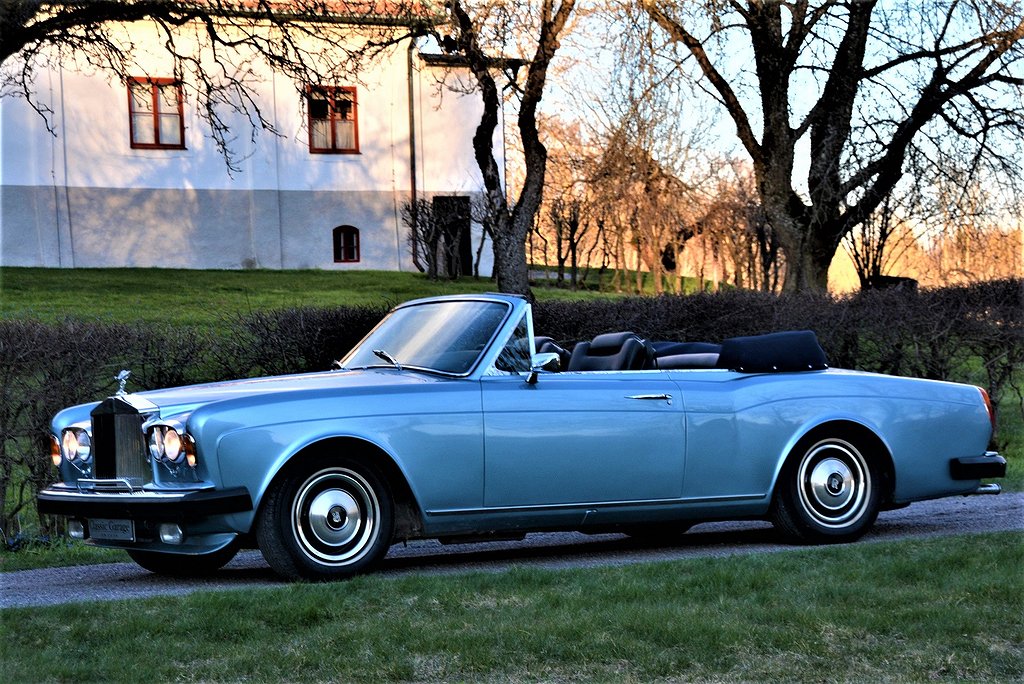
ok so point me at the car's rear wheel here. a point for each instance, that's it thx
(181, 565)
(829, 492)
(326, 519)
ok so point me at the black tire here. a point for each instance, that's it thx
(829, 492)
(181, 565)
(326, 519)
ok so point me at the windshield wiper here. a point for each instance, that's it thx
(381, 354)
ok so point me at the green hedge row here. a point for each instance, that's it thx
(971, 334)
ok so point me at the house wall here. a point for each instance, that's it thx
(84, 198)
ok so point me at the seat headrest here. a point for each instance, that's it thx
(610, 343)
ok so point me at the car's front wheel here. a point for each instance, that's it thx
(829, 492)
(326, 519)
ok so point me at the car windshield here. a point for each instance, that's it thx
(447, 337)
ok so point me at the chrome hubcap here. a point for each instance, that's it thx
(834, 482)
(335, 516)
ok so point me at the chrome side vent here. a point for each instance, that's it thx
(119, 444)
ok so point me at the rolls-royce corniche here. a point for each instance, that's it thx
(452, 420)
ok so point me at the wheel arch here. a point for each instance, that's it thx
(408, 514)
(859, 434)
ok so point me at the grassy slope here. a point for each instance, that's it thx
(204, 297)
(939, 609)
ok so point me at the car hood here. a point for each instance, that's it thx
(179, 400)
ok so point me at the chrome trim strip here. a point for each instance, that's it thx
(116, 485)
(652, 397)
(603, 504)
(136, 495)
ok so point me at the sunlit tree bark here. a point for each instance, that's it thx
(511, 222)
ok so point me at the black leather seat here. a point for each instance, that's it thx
(611, 351)
(683, 355)
(546, 345)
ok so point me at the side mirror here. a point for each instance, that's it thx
(548, 362)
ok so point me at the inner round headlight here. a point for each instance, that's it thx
(172, 446)
(76, 444)
(70, 445)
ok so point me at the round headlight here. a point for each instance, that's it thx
(70, 445)
(84, 445)
(156, 443)
(76, 444)
(172, 446)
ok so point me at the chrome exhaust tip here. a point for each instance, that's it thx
(992, 489)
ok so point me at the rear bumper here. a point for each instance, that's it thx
(143, 505)
(978, 467)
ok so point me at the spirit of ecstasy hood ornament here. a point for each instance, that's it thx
(122, 380)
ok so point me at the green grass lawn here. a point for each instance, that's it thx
(206, 297)
(930, 610)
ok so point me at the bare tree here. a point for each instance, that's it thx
(886, 80)
(478, 27)
(734, 227)
(565, 223)
(436, 235)
(967, 241)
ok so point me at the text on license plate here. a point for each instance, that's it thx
(114, 530)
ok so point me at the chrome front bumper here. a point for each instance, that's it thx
(142, 504)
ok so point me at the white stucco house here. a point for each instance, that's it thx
(130, 176)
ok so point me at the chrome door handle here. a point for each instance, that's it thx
(652, 397)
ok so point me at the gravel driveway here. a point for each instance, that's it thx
(964, 515)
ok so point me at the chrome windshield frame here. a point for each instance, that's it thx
(486, 356)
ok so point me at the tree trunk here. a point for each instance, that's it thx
(510, 226)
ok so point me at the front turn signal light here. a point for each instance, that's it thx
(55, 450)
(188, 445)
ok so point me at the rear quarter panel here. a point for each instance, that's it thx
(741, 428)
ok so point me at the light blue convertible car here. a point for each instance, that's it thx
(452, 420)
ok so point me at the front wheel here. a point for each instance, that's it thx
(829, 493)
(326, 519)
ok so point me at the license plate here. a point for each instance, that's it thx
(111, 530)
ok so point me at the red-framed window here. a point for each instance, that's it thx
(333, 120)
(156, 114)
(346, 244)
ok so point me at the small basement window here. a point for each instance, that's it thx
(346, 244)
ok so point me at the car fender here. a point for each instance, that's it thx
(252, 456)
(836, 422)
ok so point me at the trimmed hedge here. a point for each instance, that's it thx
(970, 334)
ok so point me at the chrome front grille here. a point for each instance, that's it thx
(119, 444)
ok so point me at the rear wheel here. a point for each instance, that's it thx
(829, 492)
(182, 565)
(326, 519)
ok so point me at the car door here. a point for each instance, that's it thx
(589, 437)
